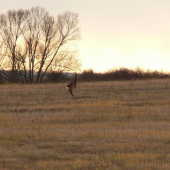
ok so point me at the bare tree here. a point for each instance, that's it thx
(32, 42)
(58, 35)
(66, 61)
(10, 31)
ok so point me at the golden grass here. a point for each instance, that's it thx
(107, 125)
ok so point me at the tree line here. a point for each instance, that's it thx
(111, 75)
(122, 74)
(32, 43)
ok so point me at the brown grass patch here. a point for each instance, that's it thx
(107, 125)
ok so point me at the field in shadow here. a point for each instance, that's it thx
(119, 125)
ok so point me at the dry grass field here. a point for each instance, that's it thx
(115, 125)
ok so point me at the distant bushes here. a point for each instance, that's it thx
(57, 77)
(122, 74)
(53, 77)
(2, 80)
(111, 75)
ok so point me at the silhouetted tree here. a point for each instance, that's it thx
(33, 41)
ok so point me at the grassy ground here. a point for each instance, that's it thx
(107, 125)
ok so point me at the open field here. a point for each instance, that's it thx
(108, 125)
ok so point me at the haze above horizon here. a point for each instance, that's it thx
(115, 33)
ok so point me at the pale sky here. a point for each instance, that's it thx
(115, 33)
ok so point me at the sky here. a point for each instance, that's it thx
(115, 33)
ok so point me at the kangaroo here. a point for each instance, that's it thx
(72, 85)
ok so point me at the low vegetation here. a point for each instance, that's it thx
(121, 125)
(110, 75)
(123, 74)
